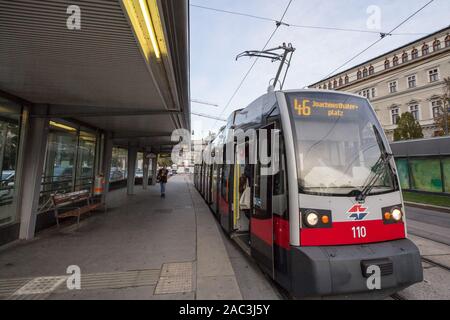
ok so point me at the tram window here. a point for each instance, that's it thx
(338, 150)
(224, 190)
(278, 182)
(257, 184)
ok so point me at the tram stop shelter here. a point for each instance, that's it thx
(86, 88)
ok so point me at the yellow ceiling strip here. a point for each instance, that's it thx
(145, 19)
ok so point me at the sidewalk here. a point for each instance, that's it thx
(144, 247)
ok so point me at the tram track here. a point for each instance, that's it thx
(436, 264)
(428, 259)
(399, 296)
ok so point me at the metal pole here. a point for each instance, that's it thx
(283, 61)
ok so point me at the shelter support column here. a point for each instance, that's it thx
(154, 170)
(36, 134)
(146, 168)
(106, 165)
(132, 157)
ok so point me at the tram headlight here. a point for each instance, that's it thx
(397, 214)
(312, 219)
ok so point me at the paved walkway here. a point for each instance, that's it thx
(144, 247)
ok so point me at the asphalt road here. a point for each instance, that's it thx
(433, 225)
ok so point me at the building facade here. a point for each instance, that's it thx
(407, 79)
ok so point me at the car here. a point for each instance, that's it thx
(139, 173)
(116, 175)
(7, 183)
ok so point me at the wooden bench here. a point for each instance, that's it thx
(71, 205)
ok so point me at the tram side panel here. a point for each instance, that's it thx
(225, 197)
(214, 188)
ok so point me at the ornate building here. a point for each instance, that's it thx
(407, 79)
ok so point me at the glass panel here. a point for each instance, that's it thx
(86, 161)
(446, 169)
(119, 165)
(140, 165)
(403, 173)
(426, 175)
(60, 160)
(9, 148)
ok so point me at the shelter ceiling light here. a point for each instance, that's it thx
(145, 19)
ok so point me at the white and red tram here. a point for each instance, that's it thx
(332, 210)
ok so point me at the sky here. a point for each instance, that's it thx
(217, 38)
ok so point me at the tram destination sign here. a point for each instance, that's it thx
(317, 106)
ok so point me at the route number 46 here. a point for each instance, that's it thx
(359, 232)
(302, 109)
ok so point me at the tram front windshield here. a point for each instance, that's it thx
(339, 145)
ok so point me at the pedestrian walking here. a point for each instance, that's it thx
(163, 175)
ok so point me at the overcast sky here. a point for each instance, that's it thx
(216, 39)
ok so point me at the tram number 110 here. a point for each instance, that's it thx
(359, 232)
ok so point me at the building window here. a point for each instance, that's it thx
(368, 93)
(395, 113)
(436, 45)
(365, 73)
(341, 82)
(414, 109)
(335, 84)
(412, 81)
(325, 86)
(414, 54)
(393, 87)
(405, 57)
(320, 87)
(436, 107)
(359, 74)
(330, 85)
(425, 50)
(346, 79)
(371, 70)
(395, 61)
(433, 75)
(447, 41)
(374, 92)
(387, 64)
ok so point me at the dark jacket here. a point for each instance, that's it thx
(163, 175)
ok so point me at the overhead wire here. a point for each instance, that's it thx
(298, 25)
(254, 62)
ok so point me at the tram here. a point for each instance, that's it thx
(331, 216)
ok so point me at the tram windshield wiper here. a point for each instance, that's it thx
(377, 170)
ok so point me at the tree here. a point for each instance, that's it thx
(408, 128)
(165, 162)
(443, 120)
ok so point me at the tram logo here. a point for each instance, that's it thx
(358, 212)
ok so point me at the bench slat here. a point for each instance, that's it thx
(64, 200)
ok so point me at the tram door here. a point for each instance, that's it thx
(262, 217)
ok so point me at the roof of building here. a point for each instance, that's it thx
(382, 55)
